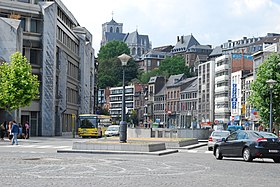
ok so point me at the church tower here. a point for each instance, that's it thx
(110, 27)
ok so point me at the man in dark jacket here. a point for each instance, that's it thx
(15, 131)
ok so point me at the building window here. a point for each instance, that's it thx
(158, 63)
(35, 56)
(35, 26)
(111, 29)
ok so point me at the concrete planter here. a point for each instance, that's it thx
(181, 143)
(116, 146)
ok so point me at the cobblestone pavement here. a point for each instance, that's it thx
(27, 166)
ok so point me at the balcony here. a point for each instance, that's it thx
(222, 78)
(221, 110)
(222, 67)
(221, 99)
(221, 89)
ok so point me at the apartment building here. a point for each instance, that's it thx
(61, 54)
(222, 89)
(247, 110)
(237, 90)
(116, 101)
(151, 60)
(206, 86)
(188, 103)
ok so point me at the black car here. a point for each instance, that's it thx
(249, 145)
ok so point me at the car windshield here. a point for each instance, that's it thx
(220, 134)
(113, 129)
(266, 134)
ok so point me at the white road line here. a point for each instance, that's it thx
(192, 151)
(40, 146)
(27, 146)
(44, 146)
(62, 147)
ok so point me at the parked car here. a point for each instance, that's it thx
(249, 145)
(216, 136)
(112, 130)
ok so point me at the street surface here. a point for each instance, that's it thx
(35, 162)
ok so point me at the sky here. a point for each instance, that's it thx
(211, 22)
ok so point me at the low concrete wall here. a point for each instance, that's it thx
(138, 147)
(183, 143)
(201, 134)
(139, 133)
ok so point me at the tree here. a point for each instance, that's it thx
(145, 77)
(260, 97)
(173, 66)
(17, 83)
(110, 69)
(170, 66)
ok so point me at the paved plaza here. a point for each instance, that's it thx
(41, 165)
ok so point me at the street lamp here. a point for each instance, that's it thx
(123, 126)
(270, 83)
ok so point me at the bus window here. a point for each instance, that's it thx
(88, 123)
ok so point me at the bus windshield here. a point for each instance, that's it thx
(88, 123)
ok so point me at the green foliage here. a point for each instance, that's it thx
(170, 66)
(112, 50)
(145, 77)
(17, 84)
(110, 70)
(173, 66)
(260, 97)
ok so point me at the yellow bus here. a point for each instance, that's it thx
(93, 125)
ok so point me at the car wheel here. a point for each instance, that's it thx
(210, 148)
(218, 154)
(276, 160)
(247, 155)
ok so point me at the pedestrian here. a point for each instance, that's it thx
(27, 127)
(15, 132)
(273, 131)
(10, 135)
(2, 130)
(260, 128)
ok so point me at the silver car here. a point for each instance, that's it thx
(113, 130)
(216, 136)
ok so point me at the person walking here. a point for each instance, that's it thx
(27, 127)
(10, 135)
(15, 131)
(2, 130)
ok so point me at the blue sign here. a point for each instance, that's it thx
(233, 99)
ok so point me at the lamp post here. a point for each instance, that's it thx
(123, 126)
(270, 83)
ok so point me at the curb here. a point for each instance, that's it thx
(191, 146)
(156, 153)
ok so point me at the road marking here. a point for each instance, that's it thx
(40, 146)
(192, 151)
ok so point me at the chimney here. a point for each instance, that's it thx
(182, 39)
(178, 38)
